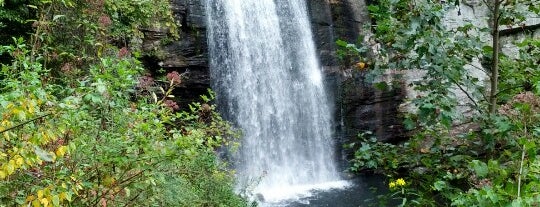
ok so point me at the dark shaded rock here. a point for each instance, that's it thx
(336, 19)
(359, 106)
(350, 17)
(323, 31)
(366, 108)
(188, 55)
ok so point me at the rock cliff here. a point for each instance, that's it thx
(358, 105)
(188, 54)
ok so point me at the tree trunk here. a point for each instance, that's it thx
(495, 58)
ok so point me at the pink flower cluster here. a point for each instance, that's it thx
(96, 4)
(66, 67)
(145, 82)
(123, 52)
(104, 21)
(171, 105)
(525, 98)
(174, 77)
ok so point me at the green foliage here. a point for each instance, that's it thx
(350, 53)
(79, 128)
(478, 158)
(90, 144)
(86, 28)
(373, 155)
(13, 18)
(521, 73)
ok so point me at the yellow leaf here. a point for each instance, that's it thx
(10, 167)
(30, 198)
(45, 202)
(108, 181)
(31, 109)
(75, 190)
(20, 114)
(19, 161)
(36, 203)
(360, 65)
(51, 135)
(40, 194)
(62, 195)
(61, 151)
(2, 174)
(6, 123)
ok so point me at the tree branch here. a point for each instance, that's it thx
(24, 123)
(494, 79)
(465, 92)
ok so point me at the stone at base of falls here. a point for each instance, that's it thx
(259, 197)
(347, 175)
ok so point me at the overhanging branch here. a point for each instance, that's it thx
(517, 30)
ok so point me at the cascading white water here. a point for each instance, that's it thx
(268, 80)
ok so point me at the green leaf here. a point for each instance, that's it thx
(480, 168)
(373, 8)
(503, 125)
(439, 185)
(68, 196)
(492, 195)
(56, 200)
(409, 124)
(381, 86)
(517, 203)
(487, 49)
(57, 17)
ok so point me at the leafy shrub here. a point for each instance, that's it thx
(461, 154)
(75, 129)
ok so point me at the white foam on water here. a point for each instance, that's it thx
(281, 195)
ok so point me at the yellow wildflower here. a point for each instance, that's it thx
(400, 182)
(392, 185)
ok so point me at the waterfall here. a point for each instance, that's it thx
(268, 81)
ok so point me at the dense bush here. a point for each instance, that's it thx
(82, 126)
(477, 152)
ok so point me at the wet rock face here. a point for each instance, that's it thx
(336, 19)
(323, 31)
(366, 108)
(358, 105)
(188, 55)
